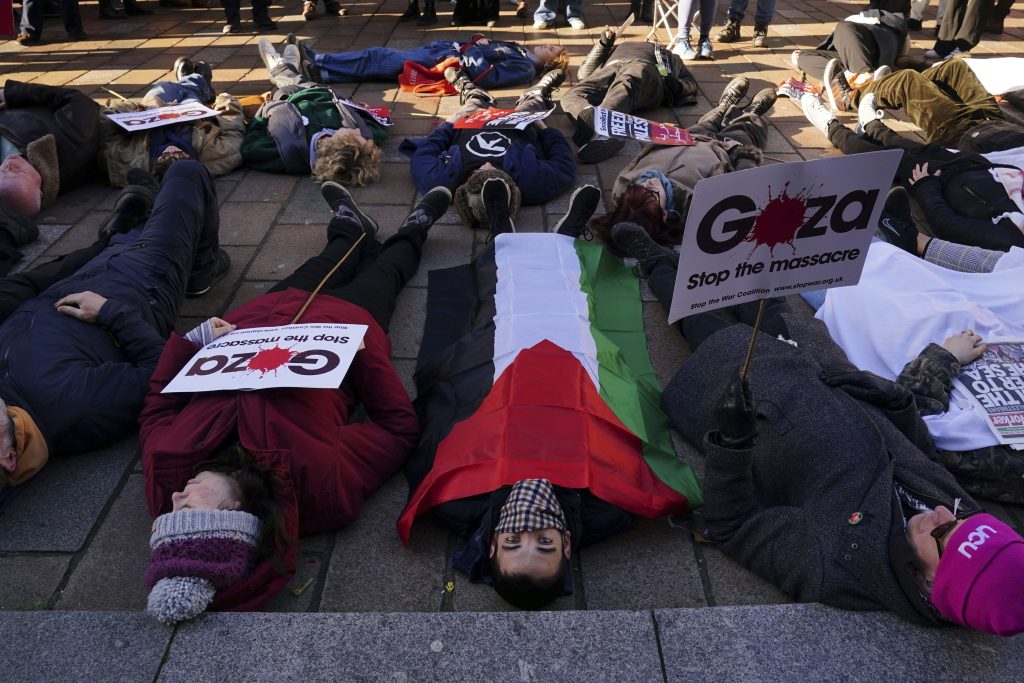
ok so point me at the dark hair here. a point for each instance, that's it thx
(639, 205)
(256, 488)
(526, 592)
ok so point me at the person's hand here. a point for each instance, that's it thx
(966, 346)
(868, 387)
(221, 327)
(921, 172)
(608, 33)
(736, 417)
(84, 306)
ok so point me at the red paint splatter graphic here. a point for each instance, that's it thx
(269, 360)
(779, 220)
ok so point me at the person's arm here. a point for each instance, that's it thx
(433, 162)
(546, 168)
(598, 55)
(75, 113)
(222, 151)
(491, 66)
(137, 339)
(929, 377)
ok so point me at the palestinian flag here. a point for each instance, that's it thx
(534, 363)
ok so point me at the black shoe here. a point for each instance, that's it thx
(78, 34)
(134, 9)
(600, 149)
(634, 241)
(140, 176)
(206, 71)
(131, 208)
(411, 12)
(431, 207)
(896, 225)
(232, 27)
(345, 208)
(734, 92)
(307, 61)
(107, 12)
(497, 198)
(582, 205)
(183, 66)
(332, 9)
(762, 102)
(730, 33)
(266, 24)
(913, 24)
(202, 282)
(550, 81)
(429, 17)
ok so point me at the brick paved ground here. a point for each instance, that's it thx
(75, 538)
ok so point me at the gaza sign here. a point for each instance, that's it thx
(780, 229)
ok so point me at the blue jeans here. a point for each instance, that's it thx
(763, 15)
(377, 63)
(32, 17)
(191, 88)
(546, 10)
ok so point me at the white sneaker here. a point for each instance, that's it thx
(816, 112)
(794, 59)
(268, 54)
(540, 24)
(577, 23)
(880, 73)
(684, 50)
(867, 111)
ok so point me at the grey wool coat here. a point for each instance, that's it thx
(786, 508)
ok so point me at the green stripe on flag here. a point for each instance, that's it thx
(628, 383)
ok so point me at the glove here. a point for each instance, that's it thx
(868, 387)
(736, 417)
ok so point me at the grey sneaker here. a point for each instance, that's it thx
(816, 112)
(345, 208)
(761, 35)
(730, 33)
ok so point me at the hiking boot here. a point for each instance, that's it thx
(206, 71)
(836, 87)
(634, 241)
(599, 149)
(131, 208)
(199, 283)
(896, 225)
(309, 10)
(816, 112)
(345, 208)
(867, 112)
(411, 12)
(183, 66)
(497, 197)
(549, 82)
(431, 207)
(760, 35)
(730, 33)
(762, 102)
(734, 92)
(582, 205)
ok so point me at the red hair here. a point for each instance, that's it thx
(639, 205)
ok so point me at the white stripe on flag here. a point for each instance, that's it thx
(538, 297)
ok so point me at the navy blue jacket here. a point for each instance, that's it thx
(82, 383)
(539, 161)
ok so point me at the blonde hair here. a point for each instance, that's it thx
(347, 161)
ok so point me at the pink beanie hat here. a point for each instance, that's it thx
(980, 580)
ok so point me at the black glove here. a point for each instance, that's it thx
(868, 387)
(736, 416)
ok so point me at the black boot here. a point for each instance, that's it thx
(133, 9)
(345, 208)
(582, 205)
(427, 211)
(411, 12)
(634, 241)
(132, 207)
(497, 198)
(108, 10)
(429, 17)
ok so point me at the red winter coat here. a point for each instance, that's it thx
(324, 466)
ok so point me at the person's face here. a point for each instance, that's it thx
(546, 53)
(919, 530)
(20, 185)
(207, 491)
(655, 186)
(533, 553)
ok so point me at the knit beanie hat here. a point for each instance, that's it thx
(980, 579)
(42, 154)
(469, 202)
(195, 554)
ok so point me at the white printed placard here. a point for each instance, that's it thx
(309, 355)
(161, 116)
(995, 384)
(780, 229)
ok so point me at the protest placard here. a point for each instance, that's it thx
(995, 384)
(307, 355)
(615, 124)
(161, 116)
(381, 114)
(501, 118)
(780, 229)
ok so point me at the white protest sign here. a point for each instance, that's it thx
(161, 116)
(312, 355)
(780, 229)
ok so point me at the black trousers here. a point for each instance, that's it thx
(733, 123)
(233, 10)
(373, 275)
(699, 326)
(627, 86)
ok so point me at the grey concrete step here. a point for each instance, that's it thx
(778, 642)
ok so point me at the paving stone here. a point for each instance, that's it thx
(307, 573)
(266, 187)
(110, 573)
(28, 581)
(370, 571)
(287, 248)
(61, 646)
(306, 206)
(647, 566)
(246, 222)
(813, 642)
(215, 301)
(56, 509)
(248, 291)
(732, 584)
(561, 646)
(407, 322)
